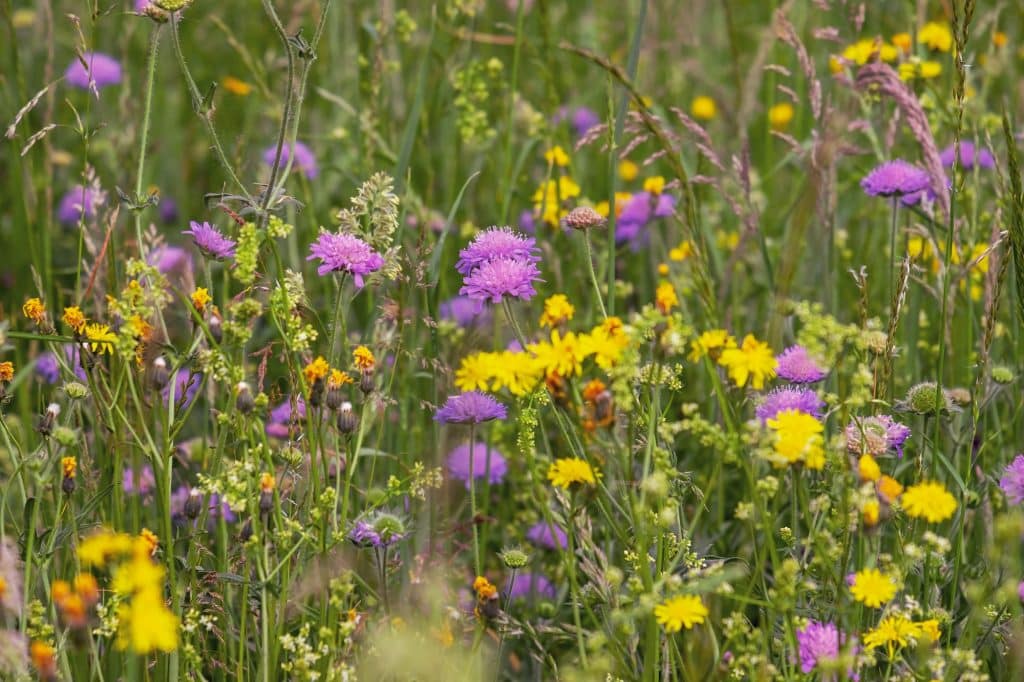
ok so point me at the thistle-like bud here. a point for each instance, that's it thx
(267, 485)
(514, 557)
(47, 420)
(244, 400)
(924, 398)
(160, 375)
(1002, 375)
(583, 218)
(194, 504)
(216, 325)
(347, 421)
(366, 382)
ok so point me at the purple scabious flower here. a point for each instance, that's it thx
(895, 178)
(817, 641)
(1012, 481)
(168, 210)
(488, 463)
(496, 279)
(345, 253)
(789, 398)
(171, 260)
(494, 243)
(637, 213)
(47, 368)
(186, 385)
(530, 585)
(1020, 591)
(876, 435)
(540, 534)
(969, 156)
(797, 366)
(80, 203)
(465, 312)
(471, 407)
(282, 416)
(102, 70)
(210, 241)
(304, 159)
(141, 482)
(380, 530)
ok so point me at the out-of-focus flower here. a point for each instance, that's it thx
(529, 585)
(637, 214)
(237, 86)
(465, 312)
(568, 471)
(210, 241)
(936, 36)
(304, 159)
(817, 642)
(969, 156)
(345, 253)
(563, 355)
(665, 298)
(98, 71)
(680, 612)
(789, 398)
(582, 119)
(1012, 481)
(703, 108)
(628, 170)
(557, 156)
(557, 311)
(752, 361)
(138, 481)
(487, 463)
(780, 115)
(929, 501)
(796, 365)
(35, 310)
(79, 203)
(472, 407)
(541, 534)
(872, 588)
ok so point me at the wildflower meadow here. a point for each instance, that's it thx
(511, 340)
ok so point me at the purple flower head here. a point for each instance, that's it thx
(638, 212)
(895, 179)
(379, 530)
(876, 435)
(210, 241)
(215, 505)
(969, 156)
(102, 70)
(168, 210)
(282, 416)
(80, 203)
(496, 279)
(472, 407)
(47, 368)
(1012, 481)
(465, 312)
(1020, 591)
(530, 585)
(540, 534)
(488, 463)
(789, 398)
(796, 365)
(582, 119)
(494, 243)
(817, 641)
(171, 260)
(345, 253)
(304, 159)
(527, 222)
(186, 385)
(141, 482)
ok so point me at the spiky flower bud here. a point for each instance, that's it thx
(347, 421)
(514, 557)
(244, 402)
(159, 373)
(583, 218)
(194, 504)
(924, 399)
(76, 390)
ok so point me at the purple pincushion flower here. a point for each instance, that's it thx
(876, 435)
(540, 534)
(969, 156)
(79, 203)
(465, 312)
(504, 277)
(210, 241)
(471, 407)
(345, 253)
(495, 243)
(895, 178)
(168, 210)
(1012, 481)
(380, 530)
(789, 398)
(488, 463)
(171, 260)
(102, 70)
(797, 366)
(304, 159)
(283, 416)
(817, 641)
(530, 585)
(638, 212)
(47, 368)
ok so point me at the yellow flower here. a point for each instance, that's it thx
(665, 298)
(703, 108)
(236, 86)
(920, 69)
(318, 369)
(562, 356)
(870, 513)
(363, 358)
(68, 466)
(35, 310)
(6, 371)
(868, 468)
(338, 379)
(200, 297)
(147, 543)
(902, 41)
(780, 115)
(566, 471)
(681, 252)
(897, 631)
(727, 240)
(889, 488)
(557, 310)
(550, 196)
(663, 269)
(654, 185)
(798, 438)
(476, 372)
(484, 588)
(999, 39)
(936, 36)
(752, 361)
(99, 548)
(621, 199)
(628, 170)
(872, 588)
(74, 318)
(930, 501)
(557, 156)
(864, 50)
(100, 338)
(516, 371)
(711, 342)
(680, 612)
(267, 482)
(145, 624)
(606, 342)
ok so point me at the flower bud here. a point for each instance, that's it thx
(366, 382)
(244, 402)
(347, 421)
(159, 373)
(194, 504)
(47, 420)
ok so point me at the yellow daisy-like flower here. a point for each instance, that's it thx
(902, 41)
(868, 468)
(870, 513)
(628, 170)
(145, 624)
(550, 196)
(68, 466)
(318, 369)
(665, 298)
(200, 297)
(753, 361)
(873, 588)
(562, 356)
(6, 371)
(654, 185)
(703, 108)
(74, 318)
(889, 488)
(363, 358)
(567, 471)
(606, 342)
(557, 156)
(99, 548)
(35, 310)
(681, 252)
(557, 310)
(680, 612)
(621, 199)
(516, 371)
(897, 631)
(780, 115)
(929, 500)
(476, 372)
(712, 343)
(798, 438)
(864, 50)
(100, 337)
(936, 36)
(338, 379)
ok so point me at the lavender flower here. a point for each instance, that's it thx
(345, 253)
(582, 119)
(80, 203)
(171, 260)
(141, 482)
(103, 70)
(530, 585)
(796, 365)
(1012, 481)
(638, 212)
(817, 641)
(380, 530)
(876, 435)
(487, 463)
(969, 156)
(48, 368)
(540, 534)
(495, 243)
(895, 179)
(465, 312)
(1020, 590)
(789, 398)
(186, 385)
(210, 241)
(499, 278)
(304, 159)
(472, 407)
(168, 210)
